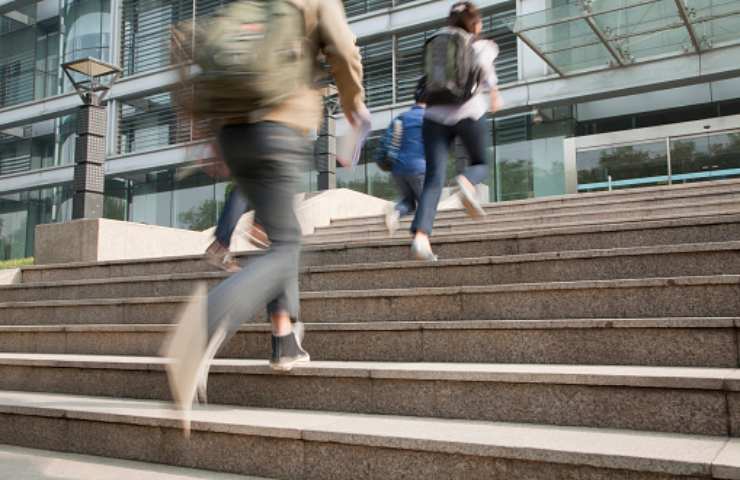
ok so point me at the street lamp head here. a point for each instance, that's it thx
(93, 87)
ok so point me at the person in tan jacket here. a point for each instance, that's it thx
(266, 153)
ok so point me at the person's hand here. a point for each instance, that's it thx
(357, 115)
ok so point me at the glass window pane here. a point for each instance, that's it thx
(377, 62)
(146, 27)
(410, 63)
(151, 200)
(628, 166)
(656, 44)
(359, 7)
(151, 122)
(194, 203)
(706, 157)
(13, 225)
(638, 19)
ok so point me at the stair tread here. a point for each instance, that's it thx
(677, 454)
(708, 247)
(422, 291)
(553, 324)
(32, 464)
(598, 375)
(453, 238)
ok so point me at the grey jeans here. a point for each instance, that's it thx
(409, 187)
(266, 160)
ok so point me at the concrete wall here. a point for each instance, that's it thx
(105, 240)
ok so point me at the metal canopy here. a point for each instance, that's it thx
(586, 35)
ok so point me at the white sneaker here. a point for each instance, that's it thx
(185, 348)
(469, 198)
(421, 250)
(392, 219)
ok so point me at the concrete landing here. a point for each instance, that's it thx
(28, 464)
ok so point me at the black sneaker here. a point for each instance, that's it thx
(287, 350)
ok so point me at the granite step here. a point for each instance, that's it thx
(320, 445)
(694, 296)
(676, 194)
(31, 464)
(697, 401)
(685, 342)
(639, 262)
(562, 213)
(335, 234)
(631, 234)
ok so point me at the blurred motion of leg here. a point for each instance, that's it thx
(266, 160)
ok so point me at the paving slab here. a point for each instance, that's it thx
(18, 463)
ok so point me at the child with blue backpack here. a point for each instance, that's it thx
(401, 152)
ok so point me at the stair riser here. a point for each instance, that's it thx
(460, 218)
(633, 302)
(669, 301)
(493, 223)
(581, 203)
(289, 458)
(686, 347)
(469, 248)
(647, 409)
(599, 268)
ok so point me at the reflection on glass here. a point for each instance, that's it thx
(530, 168)
(29, 52)
(194, 203)
(637, 19)
(353, 178)
(706, 157)
(21, 212)
(380, 183)
(115, 203)
(622, 167)
(87, 25)
(34, 146)
(151, 200)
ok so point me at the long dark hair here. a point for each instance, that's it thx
(464, 15)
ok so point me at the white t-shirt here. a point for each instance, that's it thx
(478, 105)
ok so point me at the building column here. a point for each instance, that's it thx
(89, 174)
(326, 149)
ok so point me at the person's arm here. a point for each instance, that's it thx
(489, 80)
(338, 44)
(497, 102)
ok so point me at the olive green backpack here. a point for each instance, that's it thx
(251, 55)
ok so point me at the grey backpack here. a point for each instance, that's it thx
(451, 72)
(252, 55)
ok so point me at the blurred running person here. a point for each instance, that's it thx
(459, 74)
(265, 117)
(401, 151)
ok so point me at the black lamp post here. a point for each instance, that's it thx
(97, 77)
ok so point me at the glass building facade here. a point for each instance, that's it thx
(533, 151)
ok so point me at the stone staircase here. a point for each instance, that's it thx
(581, 337)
